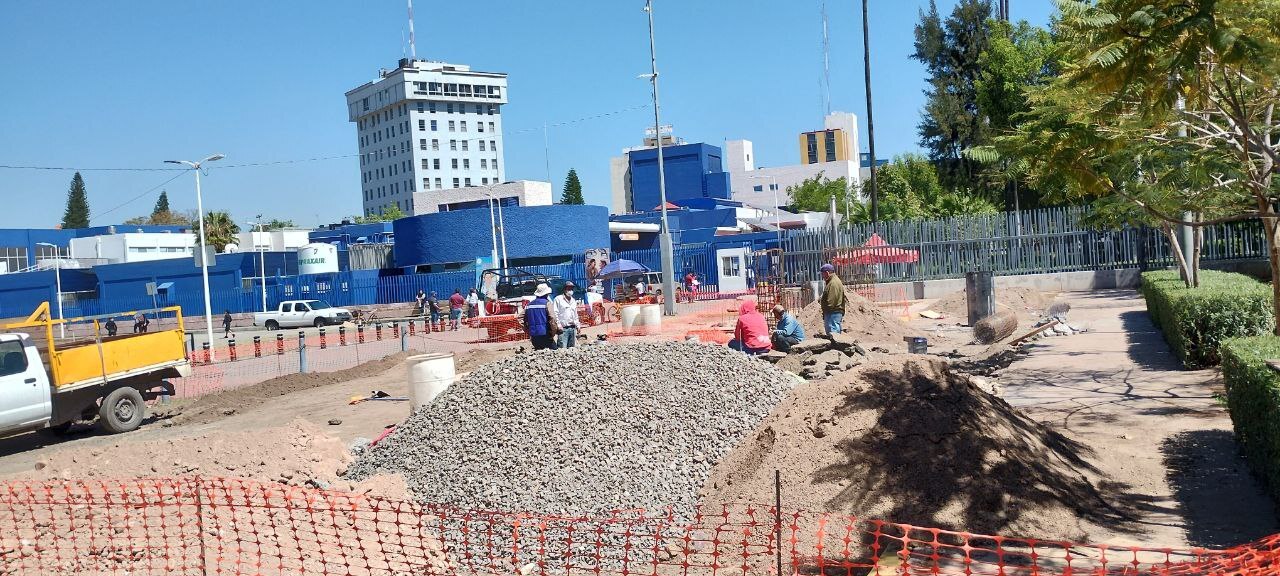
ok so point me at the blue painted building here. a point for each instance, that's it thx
(21, 248)
(346, 234)
(693, 171)
(535, 235)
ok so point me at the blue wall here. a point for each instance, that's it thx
(461, 236)
(692, 171)
(21, 293)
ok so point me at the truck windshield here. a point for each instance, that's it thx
(318, 304)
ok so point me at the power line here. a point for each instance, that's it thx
(66, 168)
(135, 198)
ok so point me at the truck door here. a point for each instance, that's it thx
(286, 315)
(301, 314)
(24, 387)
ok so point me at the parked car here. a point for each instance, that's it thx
(298, 313)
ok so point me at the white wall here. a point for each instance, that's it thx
(743, 183)
(273, 240)
(136, 247)
(528, 193)
(618, 167)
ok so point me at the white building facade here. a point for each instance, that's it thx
(273, 240)
(427, 126)
(757, 186)
(518, 193)
(133, 247)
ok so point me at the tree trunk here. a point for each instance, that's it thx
(1176, 247)
(1198, 235)
(1269, 224)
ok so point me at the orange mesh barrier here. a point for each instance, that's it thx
(227, 526)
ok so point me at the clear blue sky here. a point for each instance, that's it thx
(129, 84)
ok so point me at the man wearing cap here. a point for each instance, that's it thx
(538, 320)
(788, 333)
(833, 300)
(565, 308)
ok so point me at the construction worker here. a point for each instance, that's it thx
(538, 319)
(833, 300)
(788, 333)
(565, 308)
(751, 334)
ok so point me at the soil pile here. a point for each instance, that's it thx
(1025, 302)
(917, 444)
(297, 454)
(863, 320)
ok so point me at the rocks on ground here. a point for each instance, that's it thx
(863, 321)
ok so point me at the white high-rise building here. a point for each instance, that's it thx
(427, 126)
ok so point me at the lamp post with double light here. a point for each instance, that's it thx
(204, 260)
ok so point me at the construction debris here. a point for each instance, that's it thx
(995, 327)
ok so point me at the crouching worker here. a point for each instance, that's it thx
(789, 331)
(751, 335)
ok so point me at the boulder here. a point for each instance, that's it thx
(773, 356)
(811, 345)
(843, 341)
(830, 358)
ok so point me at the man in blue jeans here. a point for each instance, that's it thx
(537, 319)
(833, 300)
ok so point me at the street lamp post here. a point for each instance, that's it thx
(262, 264)
(204, 260)
(57, 275)
(501, 226)
(777, 216)
(664, 236)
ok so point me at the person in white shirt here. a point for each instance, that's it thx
(473, 304)
(565, 308)
(639, 288)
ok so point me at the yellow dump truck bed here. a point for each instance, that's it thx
(99, 358)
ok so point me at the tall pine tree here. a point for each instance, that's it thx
(950, 51)
(572, 189)
(162, 206)
(77, 213)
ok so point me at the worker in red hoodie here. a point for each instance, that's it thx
(751, 335)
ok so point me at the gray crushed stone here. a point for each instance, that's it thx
(582, 432)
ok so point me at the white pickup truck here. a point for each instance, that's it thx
(299, 313)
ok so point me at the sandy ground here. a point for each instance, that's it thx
(1157, 431)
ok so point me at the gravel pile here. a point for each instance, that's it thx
(585, 431)
(589, 431)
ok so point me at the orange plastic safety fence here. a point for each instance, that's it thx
(228, 526)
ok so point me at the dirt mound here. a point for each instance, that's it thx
(916, 444)
(222, 403)
(1025, 302)
(862, 319)
(298, 454)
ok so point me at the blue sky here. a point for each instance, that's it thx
(132, 83)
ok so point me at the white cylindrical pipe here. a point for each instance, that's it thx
(651, 315)
(631, 316)
(429, 376)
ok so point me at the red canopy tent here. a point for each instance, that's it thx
(877, 251)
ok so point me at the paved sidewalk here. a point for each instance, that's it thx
(1155, 428)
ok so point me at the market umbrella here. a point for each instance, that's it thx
(877, 251)
(621, 268)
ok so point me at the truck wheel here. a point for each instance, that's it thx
(320, 322)
(122, 410)
(272, 325)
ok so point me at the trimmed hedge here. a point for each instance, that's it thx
(1253, 398)
(1195, 321)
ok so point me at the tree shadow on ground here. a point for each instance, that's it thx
(943, 453)
(1222, 503)
(1146, 344)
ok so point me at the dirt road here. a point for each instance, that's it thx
(1153, 426)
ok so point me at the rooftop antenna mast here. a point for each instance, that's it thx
(413, 47)
(826, 62)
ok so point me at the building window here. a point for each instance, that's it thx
(491, 107)
(422, 143)
(468, 182)
(452, 126)
(464, 125)
(366, 104)
(431, 106)
(426, 164)
(455, 163)
(436, 165)
(438, 186)
(484, 181)
(453, 144)
(422, 125)
(426, 182)
(464, 145)
(435, 144)
(493, 145)
(757, 188)
(482, 145)
(449, 108)
(434, 127)
(829, 139)
(420, 106)
(491, 127)
(466, 164)
(731, 266)
(479, 126)
(812, 147)
(455, 182)
(484, 163)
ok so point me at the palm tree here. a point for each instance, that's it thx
(221, 229)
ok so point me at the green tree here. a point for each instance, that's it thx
(1018, 56)
(220, 230)
(274, 224)
(910, 190)
(572, 189)
(162, 205)
(1164, 107)
(386, 215)
(814, 194)
(951, 51)
(77, 212)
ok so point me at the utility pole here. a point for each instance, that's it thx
(664, 235)
(871, 123)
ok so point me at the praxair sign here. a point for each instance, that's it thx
(317, 259)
